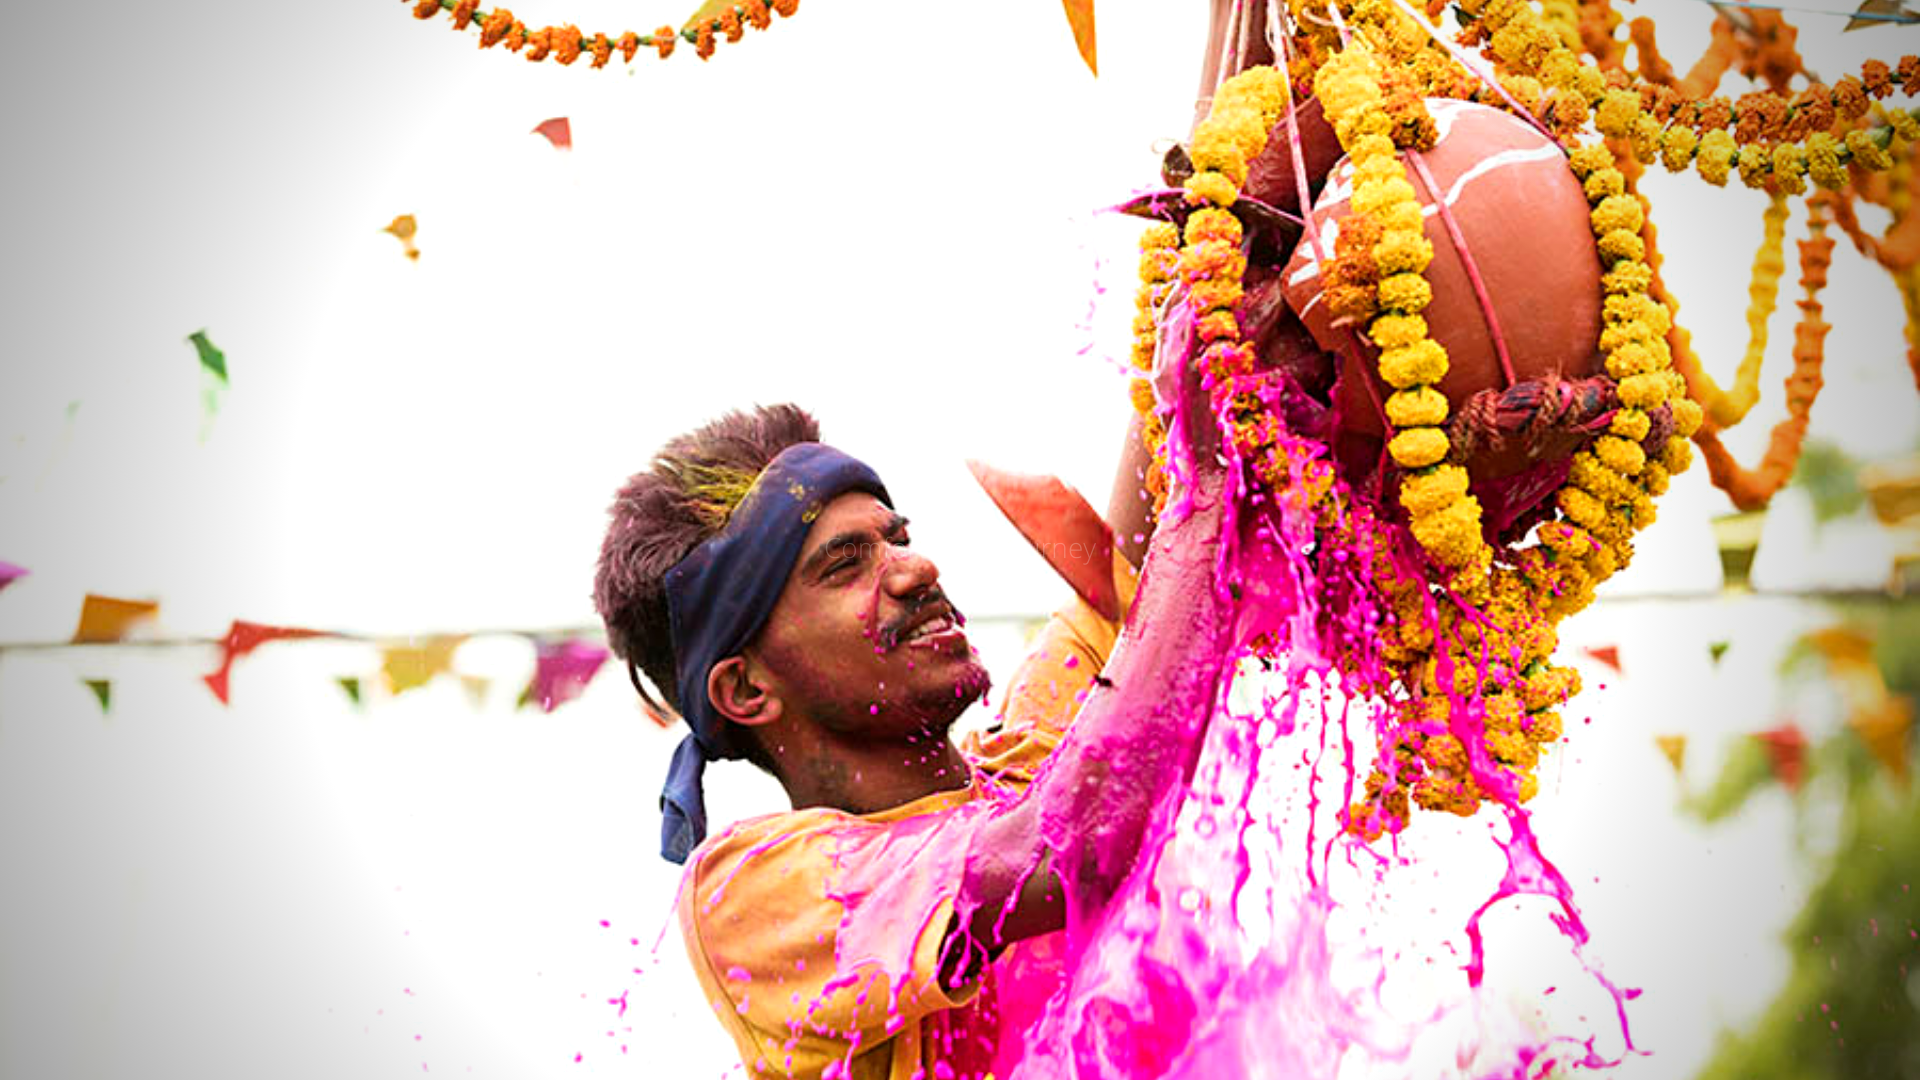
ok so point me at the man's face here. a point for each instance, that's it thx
(862, 640)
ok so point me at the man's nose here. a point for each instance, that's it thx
(907, 572)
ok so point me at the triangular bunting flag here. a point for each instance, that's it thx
(561, 670)
(242, 638)
(412, 665)
(1606, 654)
(476, 687)
(1787, 752)
(102, 692)
(556, 131)
(106, 619)
(351, 687)
(1883, 726)
(10, 573)
(1717, 649)
(1675, 749)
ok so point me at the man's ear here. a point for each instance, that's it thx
(738, 694)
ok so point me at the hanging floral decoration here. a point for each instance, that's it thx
(1445, 618)
(566, 43)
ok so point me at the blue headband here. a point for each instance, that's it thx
(720, 595)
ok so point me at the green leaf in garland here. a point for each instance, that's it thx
(102, 692)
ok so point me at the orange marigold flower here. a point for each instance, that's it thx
(602, 50)
(730, 24)
(758, 14)
(426, 9)
(496, 27)
(566, 43)
(663, 41)
(628, 45)
(463, 13)
(539, 44)
(1849, 98)
(1909, 72)
(703, 41)
(517, 36)
(786, 7)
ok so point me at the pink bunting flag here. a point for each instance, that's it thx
(561, 671)
(558, 131)
(10, 573)
(242, 638)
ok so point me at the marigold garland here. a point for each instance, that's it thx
(1728, 407)
(566, 43)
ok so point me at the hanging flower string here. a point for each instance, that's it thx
(566, 43)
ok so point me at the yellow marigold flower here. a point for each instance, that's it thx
(1376, 196)
(1635, 359)
(1581, 508)
(1405, 292)
(1228, 133)
(1630, 424)
(1229, 164)
(1588, 160)
(1866, 152)
(1676, 147)
(1655, 478)
(1715, 156)
(1214, 294)
(1429, 492)
(1141, 391)
(1160, 234)
(1905, 124)
(1512, 748)
(1823, 161)
(1621, 244)
(1643, 308)
(1687, 416)
(1602, 183)
(1616, 453)
(1211, 187)
(1617, 112)
(1617, 212)
(1790, 168)
(1646, 138)
(1590, 475)
(1628, 276)
(1212, 223)
(1631, 332)
(1416, 448)
(1452, 536)
(1678, 455)
(1157, 264)
(1756, 165)
(1402, 251)
(1566, 540)
(1396, 331)
(1406, 216)
(1370, 121)
(1419, 406)
(1374, 151)
(1211, 259)
(1262, 89)
(1143, 324)
(1645, 391)
(1641, 510)
(1422, 362)
(1216, 325)
(1542, 727)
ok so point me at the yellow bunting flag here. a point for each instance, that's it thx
(1675, 749)
(476, 687)
(402, 228)
(106, 619)
(1883, 726)
(416, 663)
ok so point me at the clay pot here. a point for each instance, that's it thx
(1523, 222)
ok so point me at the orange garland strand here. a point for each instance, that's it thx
(566, 43)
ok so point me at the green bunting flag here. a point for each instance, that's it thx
(102, 691)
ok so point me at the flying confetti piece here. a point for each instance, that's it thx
(1880, 13)
(561, 670)
(242, 638)
(1080, 17)
(557, 131)
(1786, 750)
(102, 692)
(211, 358)
(351, 687)
(10, 573)
(408, 666)
(1675, 749)
(1717, 649)
(1606, 654)
(402, 229)
(106, 619)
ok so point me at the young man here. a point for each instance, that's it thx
(766, 585)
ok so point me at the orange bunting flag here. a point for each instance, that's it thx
(106, 619)
(557, 131)
(413, 665)
(402, 229)
(1675, 749)
(1606, 654)
(1883, 726)
(1787, 752)
(242, 638)
(1080, 17)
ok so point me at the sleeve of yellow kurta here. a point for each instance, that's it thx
(1046, 690)
(762, 917)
